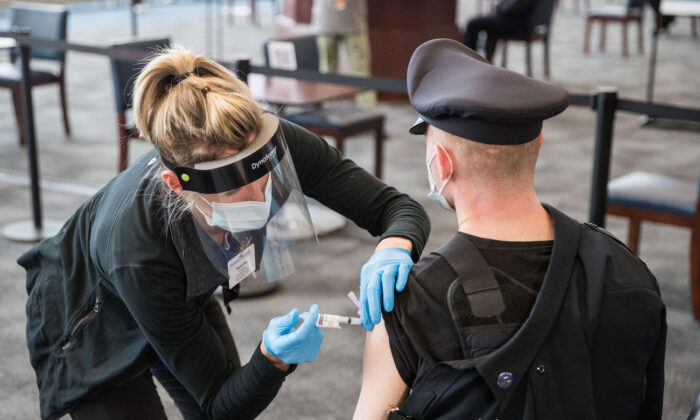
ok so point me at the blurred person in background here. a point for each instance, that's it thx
(344, 22)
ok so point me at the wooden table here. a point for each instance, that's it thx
(286, 91)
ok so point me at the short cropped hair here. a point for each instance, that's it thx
(494, 164)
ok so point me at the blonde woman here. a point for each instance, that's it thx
(124, 291)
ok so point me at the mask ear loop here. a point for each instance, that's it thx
(451, 167)
(195, 204)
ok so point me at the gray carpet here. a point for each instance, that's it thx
(328, 388)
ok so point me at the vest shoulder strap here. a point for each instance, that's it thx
(475, 275)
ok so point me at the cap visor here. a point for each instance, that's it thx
(419, 127)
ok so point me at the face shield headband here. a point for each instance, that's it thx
(260, 157)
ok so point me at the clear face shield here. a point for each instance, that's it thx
(249, 210)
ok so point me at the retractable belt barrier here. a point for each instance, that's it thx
(604, 101)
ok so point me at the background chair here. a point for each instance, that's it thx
(124, 74)
(641, 196)
(576, 4)
(337, 122)
(632, 11)
(44, 21)
(539, 22)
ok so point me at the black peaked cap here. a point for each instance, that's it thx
(458, 91)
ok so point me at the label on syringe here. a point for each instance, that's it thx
(334, 321)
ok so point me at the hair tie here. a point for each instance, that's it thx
(206, 90)
(179, 78)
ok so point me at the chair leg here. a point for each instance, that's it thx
(378, 150)
(624, 39)
(17, 102)
(587, 36)
(123, 142)
(340, 143)
(64, 103)
(546, 57)
(693, 27)
(490, 47)
(528, 59)
(633, 236)
(695, 272)
(601, 45)
(504, 56)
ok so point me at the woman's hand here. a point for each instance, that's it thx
(385, 271)
(284, 344)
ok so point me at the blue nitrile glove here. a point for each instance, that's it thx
(386, 268)
(294, 345)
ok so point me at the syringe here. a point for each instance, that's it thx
(334, 321)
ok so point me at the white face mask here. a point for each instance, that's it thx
(241, 216)
(435, 194)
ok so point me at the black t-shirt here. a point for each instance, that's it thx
(421, 330)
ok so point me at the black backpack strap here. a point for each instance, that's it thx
(594, 287)
(475, 275)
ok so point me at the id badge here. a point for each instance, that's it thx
(241, 266)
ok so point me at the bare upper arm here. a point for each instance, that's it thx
(382, 386)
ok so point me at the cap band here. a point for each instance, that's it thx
(233, 175)
(481, 131)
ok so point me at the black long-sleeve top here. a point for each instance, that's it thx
(110, 293)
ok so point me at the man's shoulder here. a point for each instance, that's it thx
(428, 266)
(602, 249)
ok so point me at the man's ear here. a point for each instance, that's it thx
(541, 139)
(445, 162)
(171, 180)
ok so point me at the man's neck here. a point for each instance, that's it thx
(518, 218)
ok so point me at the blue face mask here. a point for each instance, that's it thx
(241, 216)
(436, 194)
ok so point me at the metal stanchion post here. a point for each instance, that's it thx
(134, 23)
(651, 76)
(36, 229)
(220, 29)
(209, 27)
(605, 104)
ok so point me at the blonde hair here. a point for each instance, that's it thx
(507, 166)
(192, 109)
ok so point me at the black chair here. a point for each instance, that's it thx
(337, 122)
(632, 11)
(538, 25)
(44, 21)
(642, 196)
(124, 73)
